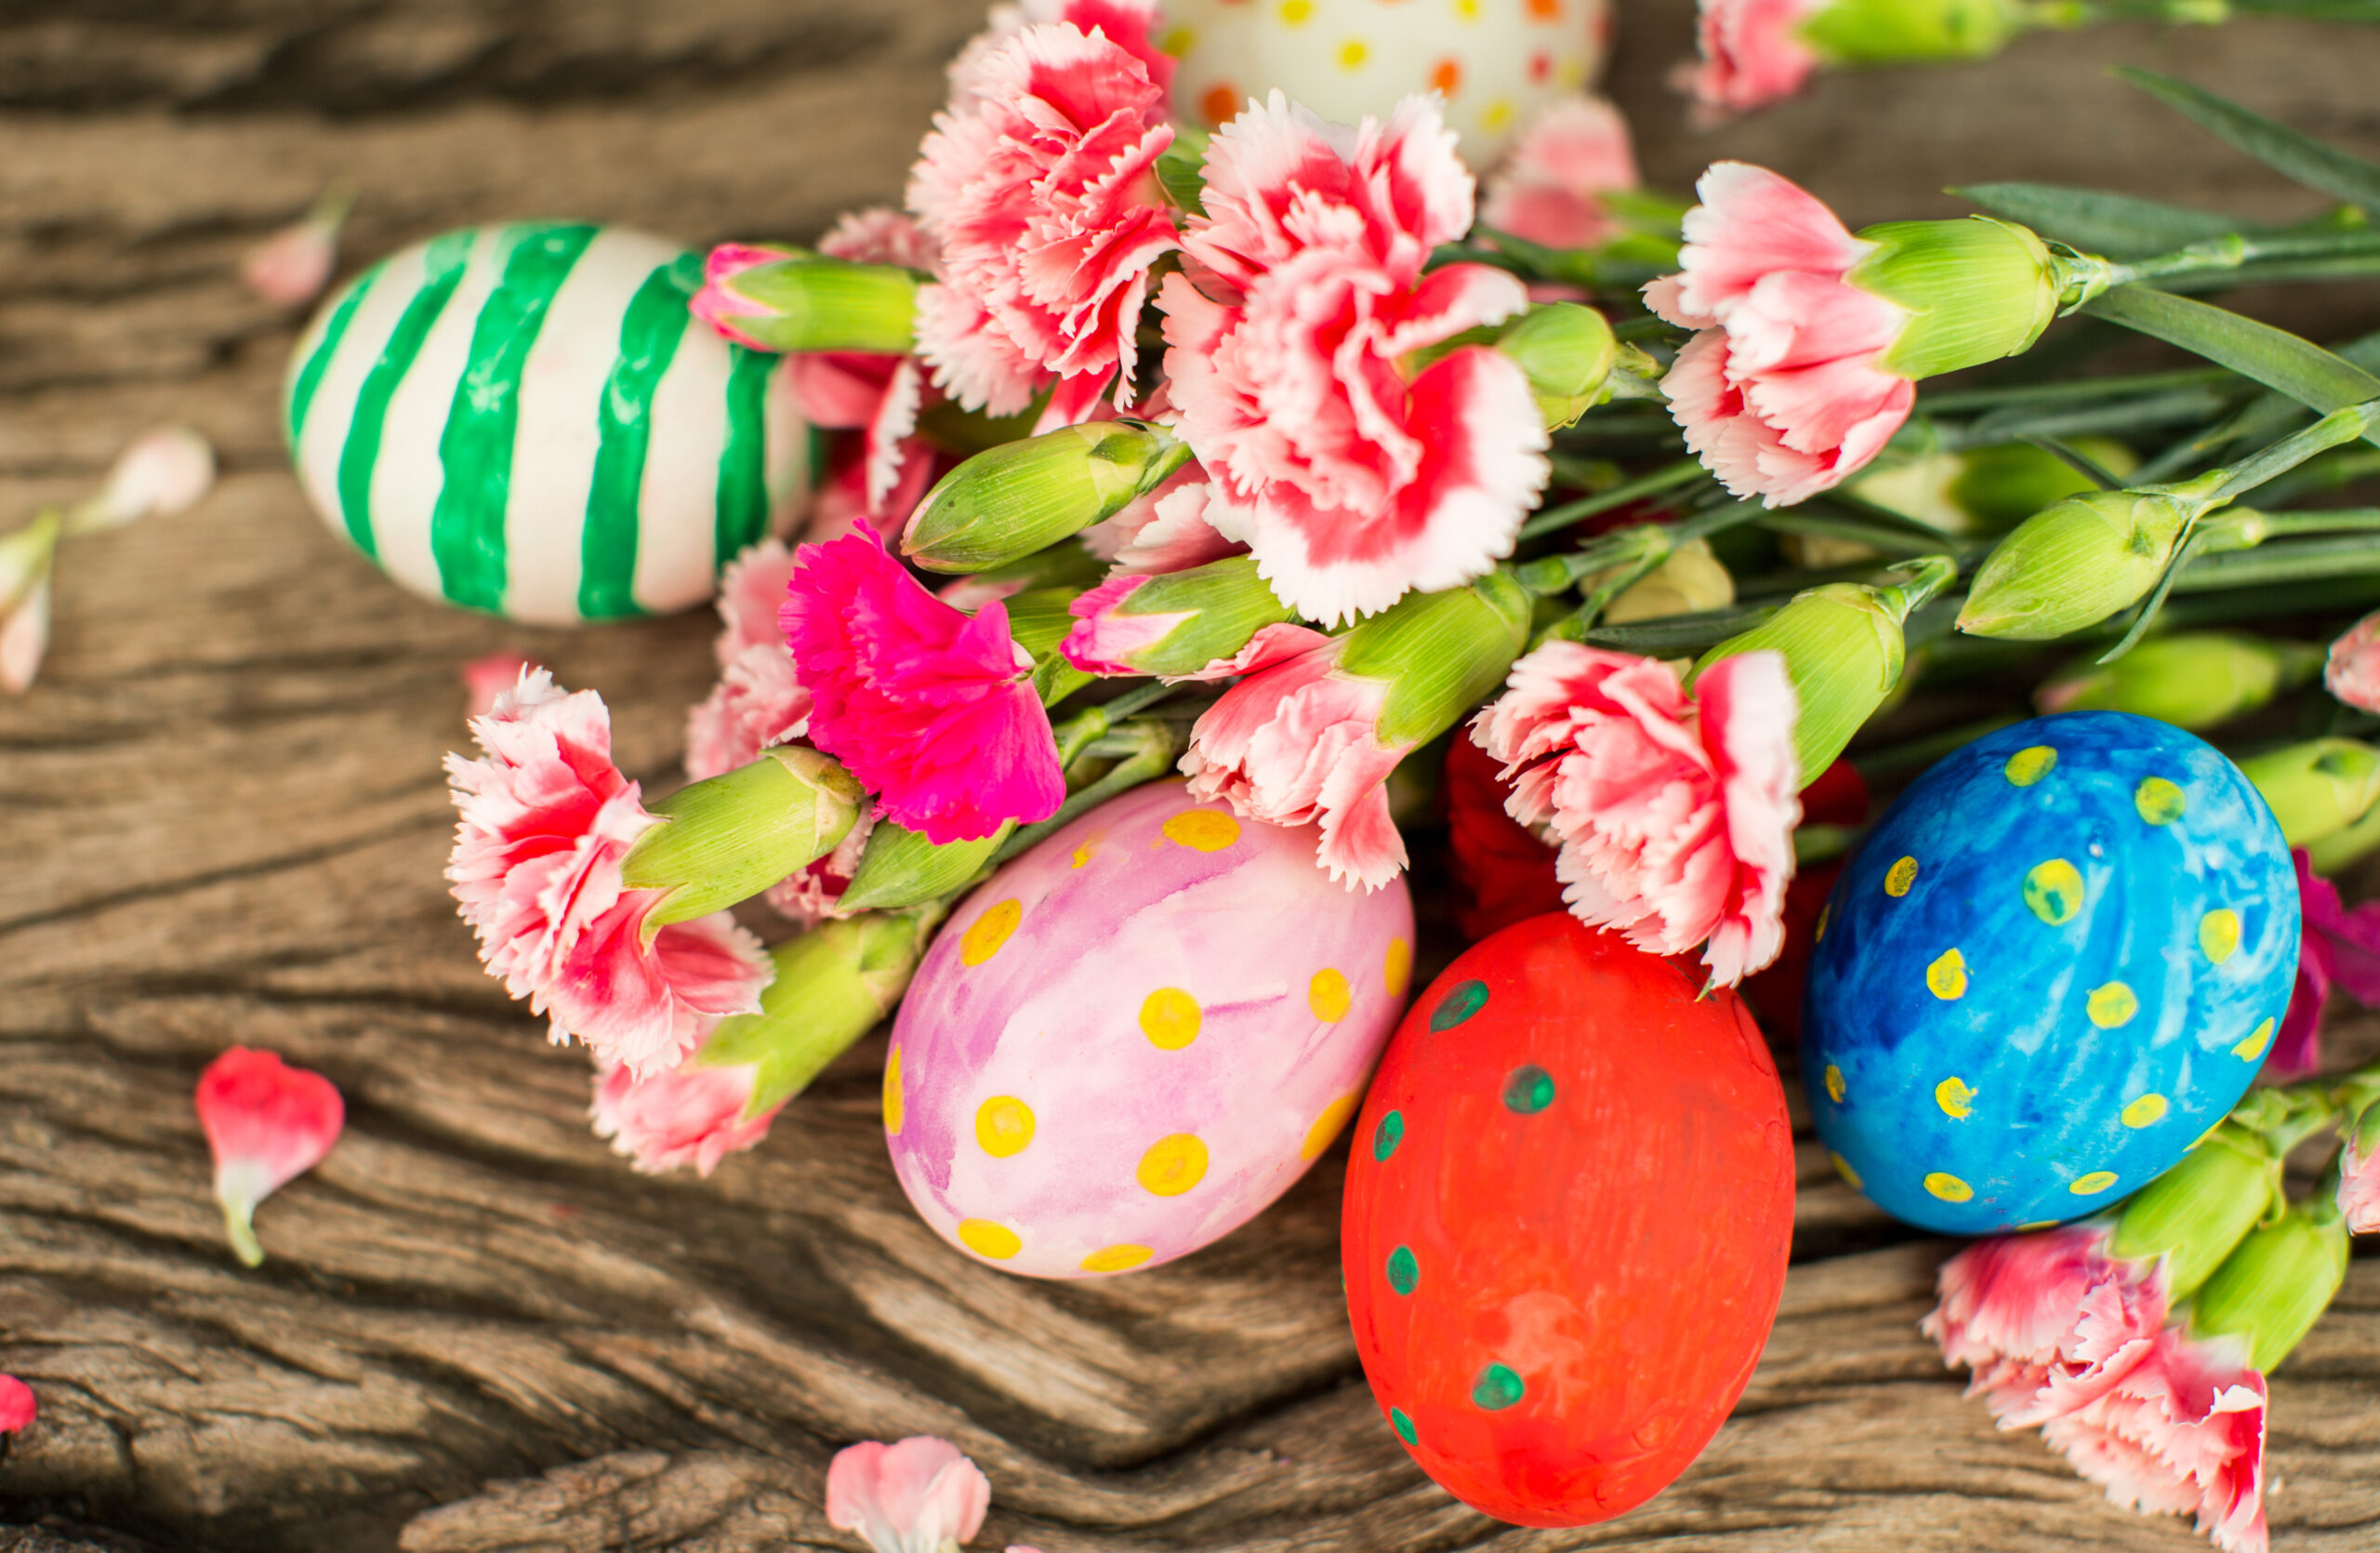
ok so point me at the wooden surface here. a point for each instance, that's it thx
(225, 822)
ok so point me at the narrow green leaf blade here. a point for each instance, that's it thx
(2096, 221)
(2299, 158)
(2274, 357)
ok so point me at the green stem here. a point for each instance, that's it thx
(2315, 560)
(1961, 401)
(1669, 477)
(1156, 757)
(2343, 520)
(2230, 251)
(2339, 426)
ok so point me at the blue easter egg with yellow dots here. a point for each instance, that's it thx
(2056, 962)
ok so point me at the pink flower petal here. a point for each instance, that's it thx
(291, 267)
(917, 1495)
(265, 1123)
(686, 1116)
(1750, 56)
(2359, 1196)
(492, 675)
(2352, 672)
(17, 1407)
(1547, 192)
(164, 471)
(2181, 1432)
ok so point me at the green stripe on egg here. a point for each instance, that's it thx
(525, 419)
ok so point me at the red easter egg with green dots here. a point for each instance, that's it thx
(1568, 1213)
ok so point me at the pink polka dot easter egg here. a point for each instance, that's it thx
(1494, 61)
(1131, 1039)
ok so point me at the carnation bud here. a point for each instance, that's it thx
(2327, 854)
(1890, 31)
(2073, 564)
(2270, 1291)
(833, 984)
(1975, 290)
(1008, 501)
(1566, 351)
(1690, 580)
(2316, 789)
(1173, 623)
(1441, 654)
(731, 836)
(1844, 651)
(2195, 1212)
(792, 300)
(901, 867)
(2192, 680)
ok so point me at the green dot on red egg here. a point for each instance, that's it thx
(1497, 1388)
(1403, 1270)
(1387, 1135)
(1528, 1089)
(1465, 999)
(1404, 1426)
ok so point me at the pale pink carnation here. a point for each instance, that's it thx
(1290, 335)
(1753, 55)
(2046, 1321)
(1128, 23)
(2182, 1432)
(2353, 672)
(1549, 189)
(1041, 188)
(1298, 742)
(1165, 531)
(292, 265)
(879, 234)
(917, 1495)
(2359, 1195)
(546, 820)
(758, 702)
(1675, 813)
(1780, 392)
(489, 676)
(931, 708)
(686, 1116)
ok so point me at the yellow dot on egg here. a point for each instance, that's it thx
(1296, 13)
(1003, 1126)
(2158, 800)
(2143, 1112)
(2053, 891)
(1352, 54)
(1947, 977)
(1467, 9)
(1326, 1126)
(987, 1239)
(2029, 766)
(1116, 1258)
(893, 1091)
(1329, 996)
(2218, 935)
(1498, 114)
(1843, 1168)
(2254, 1047)
(987, 932)
(1177, 41)
(1900, 877)
(1572, 74)
(2037, 1223)
(1170, 1018)
(1955, 1097)
(2111, 1005)
(1398, 969)
(1948, 1187)
(1202, 829)
(1174, 1165)
(2093, 1184)
(1835, 1090)
(1083, 854)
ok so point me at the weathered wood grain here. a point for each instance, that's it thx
(225, 822)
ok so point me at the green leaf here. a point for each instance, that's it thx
(2300, 158)
(1182, 170)
(2116, 225)
(2274, 357)
(1679, 635)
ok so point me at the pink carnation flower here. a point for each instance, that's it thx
(686, 1116)
(546, 820)
(2182, 1432)
(2046, 1321)
(2353, 672)
(1779, 393)
(1753, 55)
(1289, 342)
(930, 708)
(1165, 531)
(1040, 186)
(1548, 190)
(1298, 742)
(17, 1407)
(758, 702)
(266, 1124)
(1675, 812)
(2336, 946)
(1127, 23)
(917, 1496)
(2359, 1196)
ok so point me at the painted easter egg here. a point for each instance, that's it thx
(1570, 1207)
(1493, 61)
(1132, 1038)
(2056, 962)
(525, 419)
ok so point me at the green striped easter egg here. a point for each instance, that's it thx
(525, 419)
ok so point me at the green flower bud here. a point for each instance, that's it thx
(2270, 1291)
(901, 867)
(2195, 680)
(731, 836)
(1896, 31)
(1011, 500)
(1442, 654)
(2075, 563)
(1844, 651)
(2316, 789)
(1975, 290)
(834, 984)
(1691, 580)
(805, 301)
(1568, 351)
(1177, 622)
(2327, 854)
(2195, 1212)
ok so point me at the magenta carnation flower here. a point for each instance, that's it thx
(546, 820)
(931, 708)
(1290, 344)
